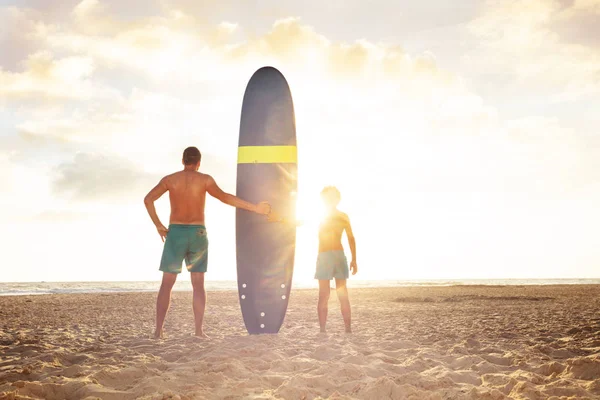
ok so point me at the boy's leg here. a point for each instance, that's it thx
(342, 292)
(323, 300)
(163, 301)
(199, 302)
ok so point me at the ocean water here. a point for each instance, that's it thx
(37, 288)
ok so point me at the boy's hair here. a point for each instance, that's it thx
(191, 156)
(331, 191)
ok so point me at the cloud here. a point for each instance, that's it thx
(299, 46)
(342, 90)
(537, 42)
(196, 77)
(101, 178)
(96, 123)
(22, 33)
(578, 22)
(87, 9)
(47, 79)
(177, 48)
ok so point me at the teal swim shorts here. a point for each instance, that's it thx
(185, 242)
(332, 264)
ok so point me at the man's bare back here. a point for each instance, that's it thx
(187, 194)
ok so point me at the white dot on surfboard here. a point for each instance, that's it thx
(282, 285)
(262, 314)
(262, 325)
(283, 297)
(243, 296)
(244, 285)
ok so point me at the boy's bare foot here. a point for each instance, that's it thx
(202, 335)
(348, 330)
(159, 335)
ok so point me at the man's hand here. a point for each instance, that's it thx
(162, 231)
(353, 267)
(263, 208)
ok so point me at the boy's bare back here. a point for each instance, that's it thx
(331, 229)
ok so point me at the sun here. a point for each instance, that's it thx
(309, 210)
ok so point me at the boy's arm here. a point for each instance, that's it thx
(352, 243)
(215, 191)
(149, 200)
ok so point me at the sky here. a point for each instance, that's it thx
(464, 137)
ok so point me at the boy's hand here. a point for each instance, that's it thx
(353, 267)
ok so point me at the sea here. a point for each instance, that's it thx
(39, 288)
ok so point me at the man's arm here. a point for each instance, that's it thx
(215, 191)
(352, 243)
(149, 200)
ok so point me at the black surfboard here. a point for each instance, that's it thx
(267, 170)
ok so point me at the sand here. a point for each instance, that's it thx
(527, 342)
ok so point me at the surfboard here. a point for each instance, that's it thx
(266, 171)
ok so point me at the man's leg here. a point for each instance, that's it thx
(323, 300)
(199, 301)
(163, 302)
(342, 292)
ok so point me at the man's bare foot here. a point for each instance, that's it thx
(202, 335)
(348, 330)
(159, 335)
(323, 330)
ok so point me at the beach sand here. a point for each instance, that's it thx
(475, 342)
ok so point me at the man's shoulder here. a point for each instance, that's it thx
(170, 177)
(175, 176)
(204, 177)
(182, 173)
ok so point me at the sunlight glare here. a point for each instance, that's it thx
(309, 211)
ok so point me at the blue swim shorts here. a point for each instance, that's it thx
(332, 264)
(185, 242)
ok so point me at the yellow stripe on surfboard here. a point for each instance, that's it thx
(267, 154)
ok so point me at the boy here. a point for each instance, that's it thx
(331, 261)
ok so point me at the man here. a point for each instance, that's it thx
(331, 260)
(186, 237)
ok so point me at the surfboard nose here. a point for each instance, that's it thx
(267, 111)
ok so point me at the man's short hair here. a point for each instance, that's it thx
(191, 156)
